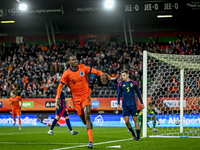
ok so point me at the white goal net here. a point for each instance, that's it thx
(172, 84)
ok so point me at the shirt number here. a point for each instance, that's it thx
(128, 90)
(73, 81)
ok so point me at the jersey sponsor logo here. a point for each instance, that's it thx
(99, 120)
(50, 104)
(124, 85)
(82, 73)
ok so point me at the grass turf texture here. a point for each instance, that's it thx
(36, 138)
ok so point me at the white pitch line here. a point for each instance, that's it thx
(27, 143)
(169, 134)
(94, 144)
(21, 132)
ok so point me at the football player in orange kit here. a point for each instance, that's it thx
(16, 108)
(75, 78)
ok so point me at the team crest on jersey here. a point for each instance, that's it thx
(131, 84)
(82, 73)
(16, 99)
(124, 85)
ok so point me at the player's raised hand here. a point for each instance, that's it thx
(103, 79)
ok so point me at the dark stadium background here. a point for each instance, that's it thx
(75, 23)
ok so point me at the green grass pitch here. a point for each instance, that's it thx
(36, 138)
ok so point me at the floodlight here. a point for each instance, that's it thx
(9, 21)
(109, 4)
(164, 16)
(22, 6)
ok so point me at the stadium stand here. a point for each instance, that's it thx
(34, 71)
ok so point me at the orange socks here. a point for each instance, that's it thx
(90, 134)
(20, 122)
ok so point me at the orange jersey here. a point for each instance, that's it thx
(14, 101)
(76, 80)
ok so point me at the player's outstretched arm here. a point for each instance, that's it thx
(63, 80)
(58, 100)
(21, 102)
(57, 106)
(119, 91)
(139, 95)
(10, 102)
(97, 72)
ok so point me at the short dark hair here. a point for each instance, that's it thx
(14, 92)
(72, 56)
(125, 71)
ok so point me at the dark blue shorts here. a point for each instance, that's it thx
(62, 112)
(129, 110)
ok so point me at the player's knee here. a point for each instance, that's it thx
(127, 121)
(87, 116)
(135, 119)
(87, 113)
(67, 117)
(153, 118)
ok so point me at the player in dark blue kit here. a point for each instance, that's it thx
(62, 111)
(126, 88)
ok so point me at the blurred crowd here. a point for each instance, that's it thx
(35, 71)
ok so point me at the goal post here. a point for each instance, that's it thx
(145, 93)
(181, 100)
(172, 84)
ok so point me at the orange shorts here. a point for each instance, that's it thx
(81, 102)
(16, 112)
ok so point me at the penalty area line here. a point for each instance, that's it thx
(94, 144)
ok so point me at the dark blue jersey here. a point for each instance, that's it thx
(126, 89)
(62, 97)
